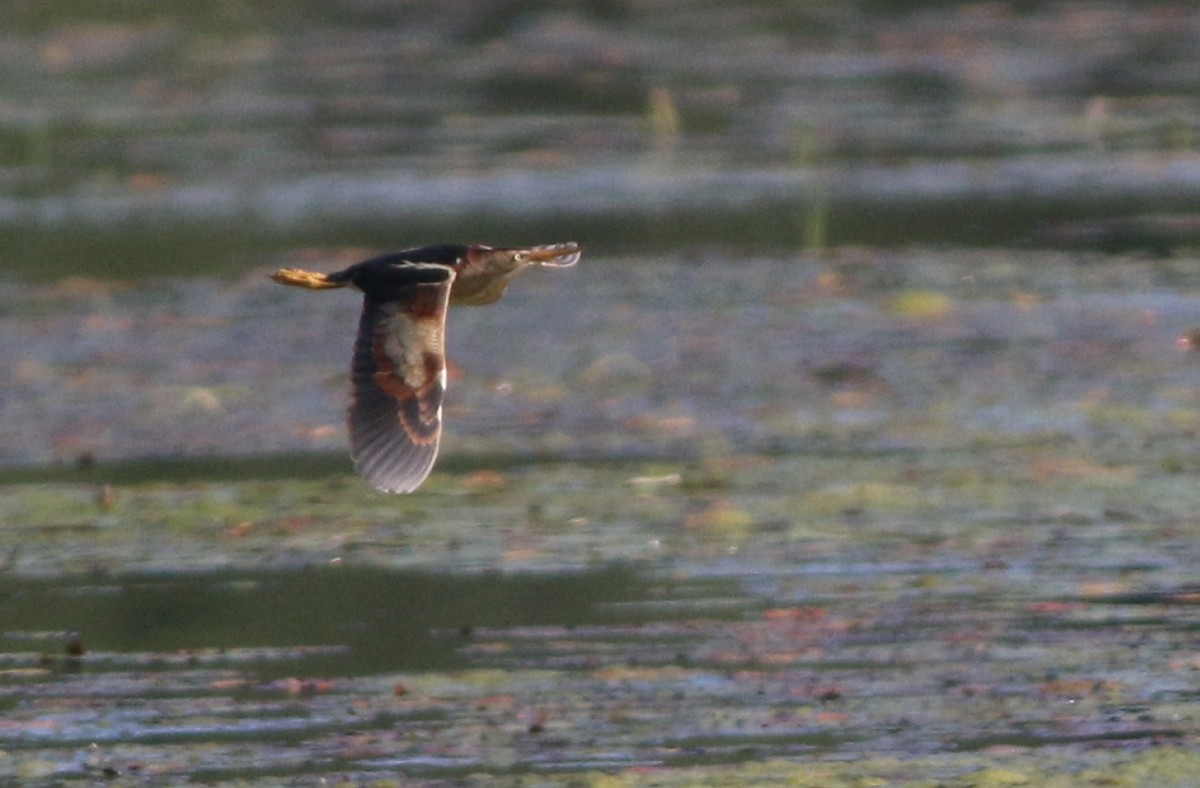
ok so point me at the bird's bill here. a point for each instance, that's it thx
(311, 280)
(562, 255)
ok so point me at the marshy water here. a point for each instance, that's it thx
(860, 447)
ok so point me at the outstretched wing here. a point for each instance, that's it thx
(398, 381)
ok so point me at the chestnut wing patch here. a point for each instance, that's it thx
(398, 381)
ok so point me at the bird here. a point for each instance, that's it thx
(398, 373)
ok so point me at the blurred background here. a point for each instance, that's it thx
(144, 142)
(181, 138)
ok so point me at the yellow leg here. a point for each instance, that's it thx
(297, 277)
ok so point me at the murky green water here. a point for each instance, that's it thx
(356, 620)
(366, 672)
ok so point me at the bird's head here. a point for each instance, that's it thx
(484, 272)
(495, 260)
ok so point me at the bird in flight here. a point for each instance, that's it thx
(398, 376)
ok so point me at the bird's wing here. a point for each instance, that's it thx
(398, 381)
